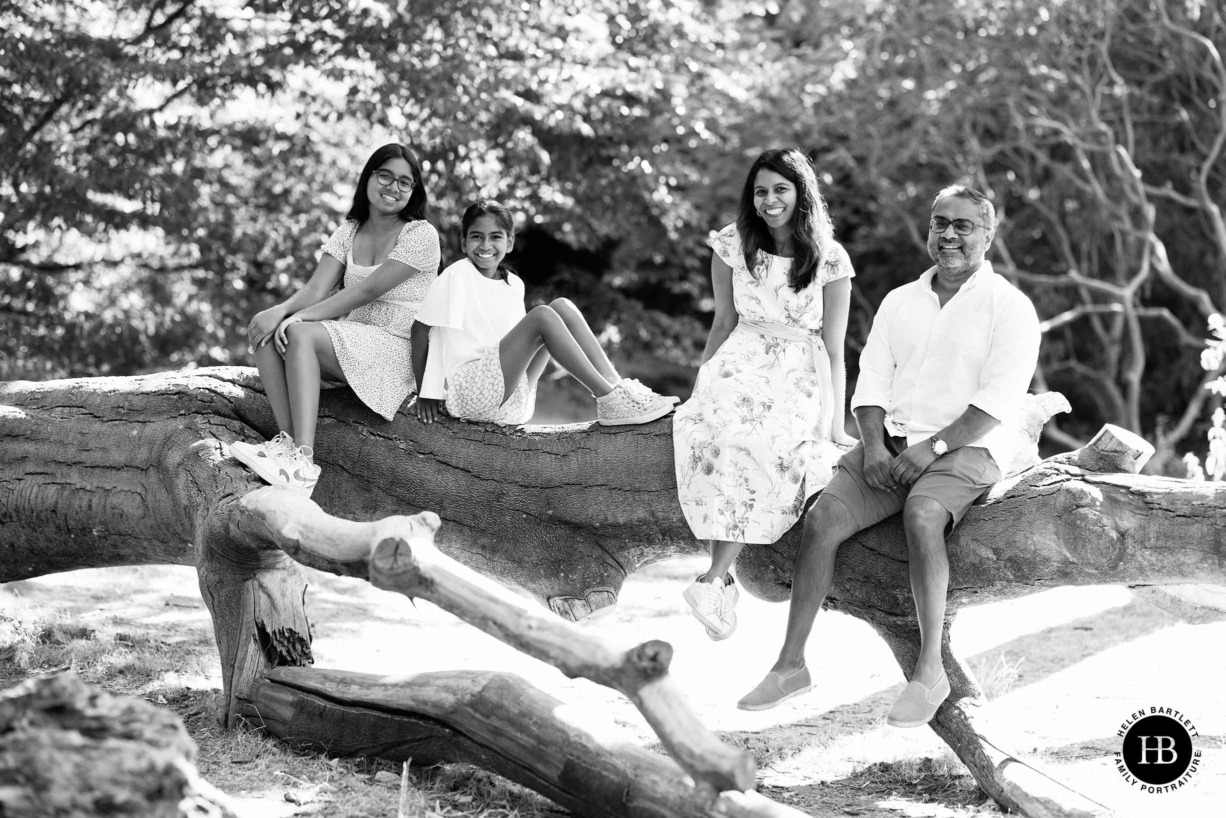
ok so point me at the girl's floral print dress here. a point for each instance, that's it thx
(748, 446)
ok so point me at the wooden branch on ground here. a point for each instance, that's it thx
(403, 558)
(497, 721)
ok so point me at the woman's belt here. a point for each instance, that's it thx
(821, 363)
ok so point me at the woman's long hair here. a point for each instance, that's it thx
(502, 217)
(418, 199)
(812, 230)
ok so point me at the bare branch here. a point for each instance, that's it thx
(1158, 313)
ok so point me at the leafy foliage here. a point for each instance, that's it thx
(168, 167)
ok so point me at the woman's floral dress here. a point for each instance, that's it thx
(748, 448)
(372, 342)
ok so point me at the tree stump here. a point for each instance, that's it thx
(69, 750)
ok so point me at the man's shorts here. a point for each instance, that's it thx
(474, 392)
(955, 480)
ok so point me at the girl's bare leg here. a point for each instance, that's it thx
(584, 336)
(309, 357)
(536, 367)
(272, 375)
(542, 326)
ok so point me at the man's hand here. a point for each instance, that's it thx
(909, 465)
(428, 410)
(877, 464)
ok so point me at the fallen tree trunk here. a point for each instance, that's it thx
(129, 471)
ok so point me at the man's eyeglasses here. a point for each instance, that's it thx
(963, 227)
(403, 183)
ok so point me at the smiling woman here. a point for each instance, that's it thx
(352, 320)
(761, 433)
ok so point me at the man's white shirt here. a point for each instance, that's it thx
(925, 364)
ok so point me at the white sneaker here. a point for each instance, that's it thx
(712, 604)
(622, 407)
(280, 463)
(299, 472)
(262, 458)
(642, 391)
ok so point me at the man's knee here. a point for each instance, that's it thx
(924, 515)
(828, 522)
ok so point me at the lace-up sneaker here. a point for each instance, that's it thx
(622, 407)
(262, 458)
(712, 604)
(641, 391)
(298, 472)
(280, 463)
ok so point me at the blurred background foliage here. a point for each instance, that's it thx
(167, 167)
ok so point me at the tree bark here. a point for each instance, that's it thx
(134, 471)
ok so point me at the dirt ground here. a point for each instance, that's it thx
(1065, 668)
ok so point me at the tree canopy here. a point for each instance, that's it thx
(166, 168)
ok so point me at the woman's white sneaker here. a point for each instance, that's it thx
(712, 604)
(280, 463)
(263, 458)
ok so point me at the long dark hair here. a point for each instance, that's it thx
(502, 217)
(812, 230)
(418, 199)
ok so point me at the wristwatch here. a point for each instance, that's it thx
(939, 447)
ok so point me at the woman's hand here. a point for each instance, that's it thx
(428, 409)
(278, 338)
(263, 325)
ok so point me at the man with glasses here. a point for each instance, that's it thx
(948, 361)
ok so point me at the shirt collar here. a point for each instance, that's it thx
(984, 272)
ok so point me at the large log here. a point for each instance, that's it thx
(496, 721)
(129, 471)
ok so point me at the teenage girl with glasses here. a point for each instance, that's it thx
(384, 257)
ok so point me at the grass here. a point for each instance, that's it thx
(997, 673)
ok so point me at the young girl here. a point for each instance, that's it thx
(388, 254)
(759, 436)
(475, 348)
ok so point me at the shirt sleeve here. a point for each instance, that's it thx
(418, 247)
(341, 240)
(835, 265)
(446, 300)
(1012, 358)
(877, 364)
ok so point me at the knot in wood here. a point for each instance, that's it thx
(651, 659)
